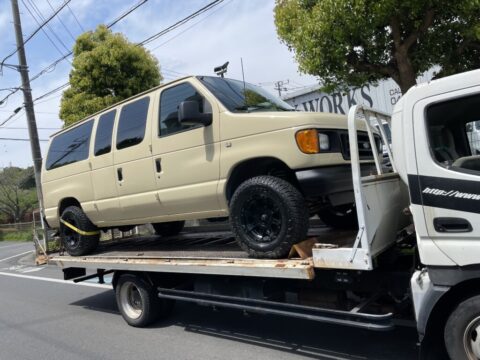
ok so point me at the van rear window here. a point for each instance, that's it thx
(70, 146)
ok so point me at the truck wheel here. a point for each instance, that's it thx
(76, 243)
(268, 215)
(168, 228)
(340, 217)
(462, 331)
(138, 302)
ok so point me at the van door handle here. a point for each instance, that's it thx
(120, 174)
(158, 165)
(452, 225)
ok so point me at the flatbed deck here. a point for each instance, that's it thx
(201, 252)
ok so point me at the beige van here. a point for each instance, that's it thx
(201, 147)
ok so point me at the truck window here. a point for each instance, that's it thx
(70, 146)
(103, 137)
(169, 103)
(453, 138)
(473, 134)
(131, 125)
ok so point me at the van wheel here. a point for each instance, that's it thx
(340, 217)
(462, 331)
(75, 243)
(138, 302)
(168, 228)
(268, 216)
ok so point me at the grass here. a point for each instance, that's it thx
(16, 235)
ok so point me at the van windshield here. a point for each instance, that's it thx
(237, 97)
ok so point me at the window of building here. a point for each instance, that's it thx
(103, 137)
(169, 103)
(70, 146)
(132, 122)
(453, 133)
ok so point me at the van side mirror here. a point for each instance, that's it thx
(188, 114)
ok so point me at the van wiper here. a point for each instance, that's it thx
(247, 107)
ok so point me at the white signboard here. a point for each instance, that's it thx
(383, 97)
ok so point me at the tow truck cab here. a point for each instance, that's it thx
(435, 155)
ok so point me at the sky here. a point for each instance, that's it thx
(233, 30)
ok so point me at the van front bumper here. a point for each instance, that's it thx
(328, 180)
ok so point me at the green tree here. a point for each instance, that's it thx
(354, 42)
(106, 68)
(17, 193)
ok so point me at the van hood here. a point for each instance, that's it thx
(243, 124)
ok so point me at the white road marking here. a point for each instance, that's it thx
(14, 256)
(103, 286)
(31, 269)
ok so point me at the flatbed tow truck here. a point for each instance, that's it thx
(414, 258)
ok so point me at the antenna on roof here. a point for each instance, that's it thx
(220, 70)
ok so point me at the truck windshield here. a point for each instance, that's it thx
(237, 98)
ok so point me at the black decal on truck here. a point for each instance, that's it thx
(445, 193)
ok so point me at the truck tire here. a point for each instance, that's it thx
(138, 302)
(75, 243)
(168, 228)
(340, 217)
(462, 331)
(268, 215)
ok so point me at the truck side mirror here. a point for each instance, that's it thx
(188, 114)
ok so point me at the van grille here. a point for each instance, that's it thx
(364, 148)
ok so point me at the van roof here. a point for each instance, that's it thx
(89, 117)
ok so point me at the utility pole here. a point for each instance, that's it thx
(279, 86)
(28, 102)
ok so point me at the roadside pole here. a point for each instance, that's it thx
(28, 102)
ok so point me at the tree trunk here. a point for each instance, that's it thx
(406, 74)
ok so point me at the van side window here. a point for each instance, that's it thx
(103, 137)
(453, 134)
(170, 100)
(131, 125)
(70, 146)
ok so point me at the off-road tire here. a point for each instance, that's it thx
(457, 326)
(341, 217)
(288, 219)
(168, 228)
(74, 243)
(149, 308)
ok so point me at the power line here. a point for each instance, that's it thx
(43, 30)
(144, 42)
(18, 139)
(53, 65)
(39, 13)
(34, 32)
(76, 19)
(128, 12)
(25, 128)
(181, 22)
(191, 26)
(61, 22)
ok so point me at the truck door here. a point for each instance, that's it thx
(186, 157)
(448, 181)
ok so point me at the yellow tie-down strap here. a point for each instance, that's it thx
(81, 232)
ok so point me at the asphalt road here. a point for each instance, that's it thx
(43, 317)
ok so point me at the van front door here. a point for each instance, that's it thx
(448, 181)
(186, 157)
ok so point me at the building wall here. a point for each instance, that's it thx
(383, 97)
